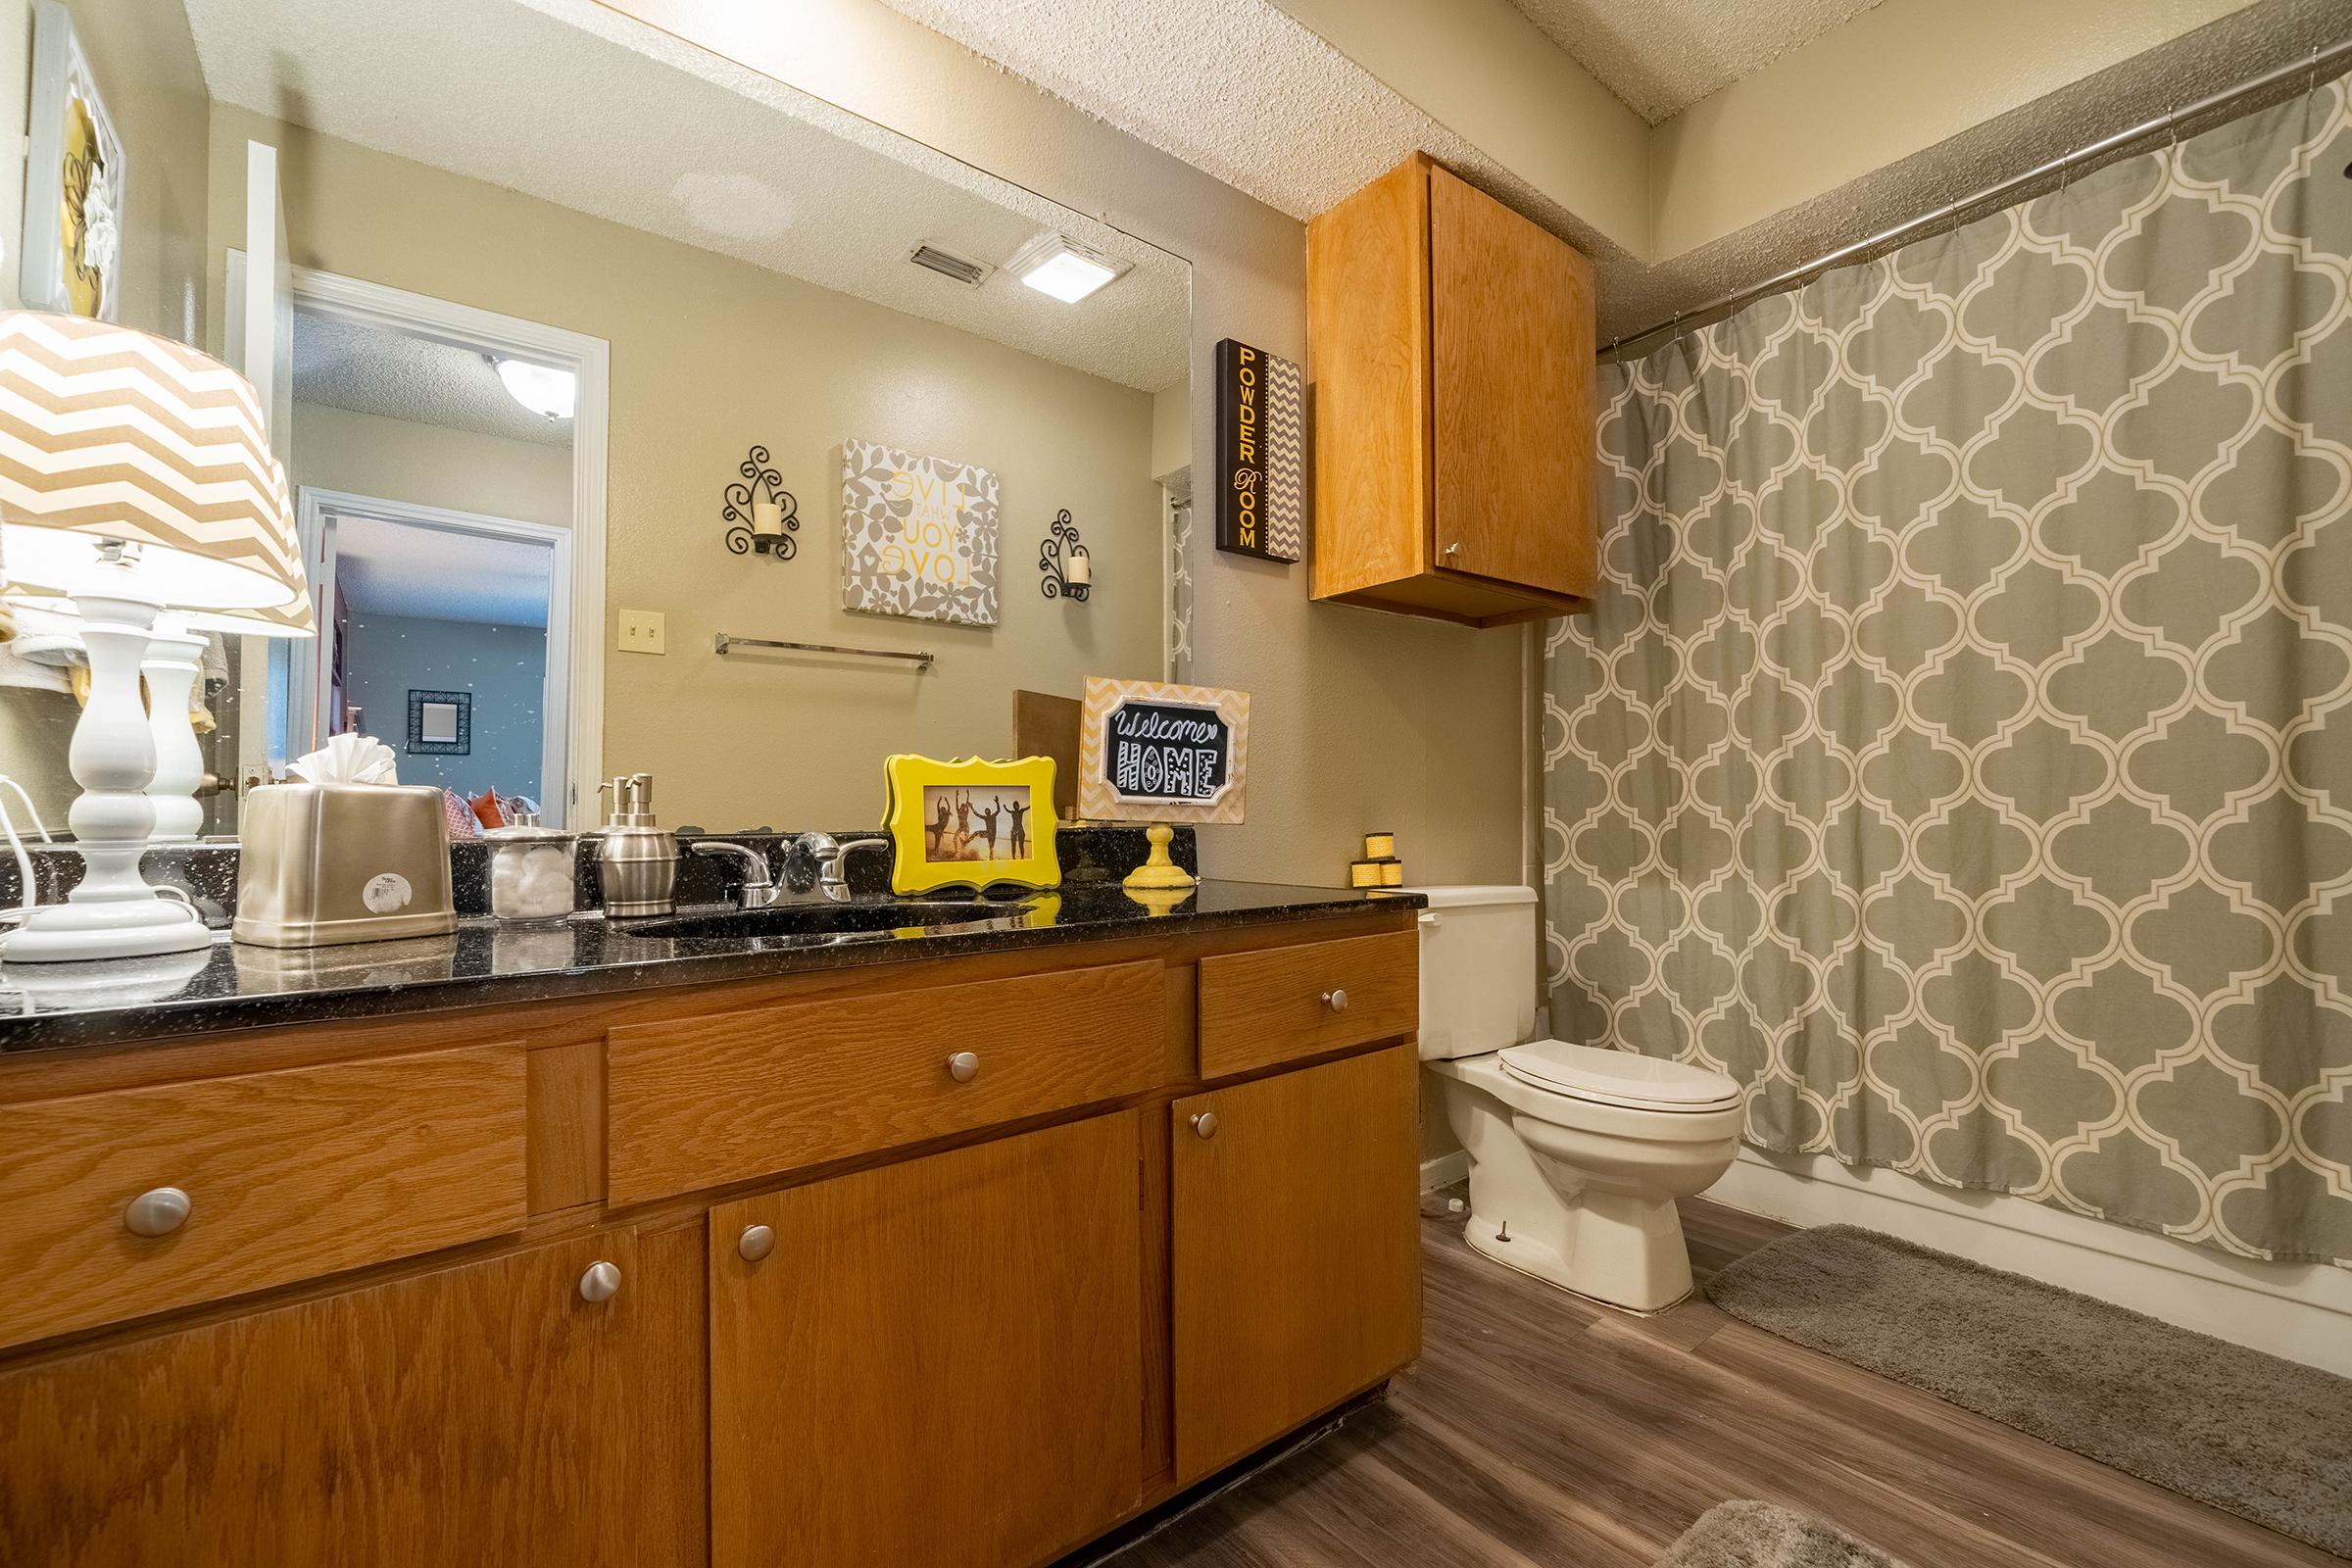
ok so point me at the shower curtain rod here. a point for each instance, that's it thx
(2319, 61)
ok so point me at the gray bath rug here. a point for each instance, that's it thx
(1760, 1535)
(2266, 1439)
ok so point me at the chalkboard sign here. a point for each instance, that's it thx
(1167, 751)
(1153, 752)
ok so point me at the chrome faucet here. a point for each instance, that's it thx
(829, 856)
(759, 890)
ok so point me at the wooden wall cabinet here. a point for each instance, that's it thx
(1449, 348)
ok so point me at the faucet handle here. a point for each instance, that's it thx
(806, 858)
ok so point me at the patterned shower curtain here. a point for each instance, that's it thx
(1960, 751)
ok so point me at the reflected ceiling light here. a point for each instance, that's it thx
(545, 391)
(1056, 265)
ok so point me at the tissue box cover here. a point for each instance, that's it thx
(324, 863)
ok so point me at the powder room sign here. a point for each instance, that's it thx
(1261, 454)
(1153, 752)
(919, 535)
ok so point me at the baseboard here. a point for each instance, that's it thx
(1445, 1170)
(2302, 1311)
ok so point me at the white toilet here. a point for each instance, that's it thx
(1577, 1153)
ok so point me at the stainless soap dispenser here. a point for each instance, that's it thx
(637, 863)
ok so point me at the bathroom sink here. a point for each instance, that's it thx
(816, 919)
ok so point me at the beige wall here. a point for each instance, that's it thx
(145, 61)
(1357, 720)
(1896, 79)
(711, 356)
(1171, 431)
(460, 471)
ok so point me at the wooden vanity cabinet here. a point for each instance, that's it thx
(926, 1262)
(934, 1362)
(1295, 1248)
(482, 1414)
(1449, 349)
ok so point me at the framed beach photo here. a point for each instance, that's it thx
(971, 823)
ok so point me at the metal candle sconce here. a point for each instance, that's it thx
(760, 513)
(1064, 566)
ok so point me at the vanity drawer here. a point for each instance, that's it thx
(703, 1102)
(287, 1175)
(1278, 1004)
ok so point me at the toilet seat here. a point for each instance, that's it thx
(1622, 1078)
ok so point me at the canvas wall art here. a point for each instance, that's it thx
(73, 244)
(920, 535)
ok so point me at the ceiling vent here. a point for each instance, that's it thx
(947, 264)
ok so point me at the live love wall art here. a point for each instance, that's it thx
(919, 535)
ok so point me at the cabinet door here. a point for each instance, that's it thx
(481, 1414)
(940, 1361)
(1297, 1236)
(1511, 341)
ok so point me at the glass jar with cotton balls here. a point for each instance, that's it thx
(531, 872)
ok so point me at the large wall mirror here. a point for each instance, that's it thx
(584, 347)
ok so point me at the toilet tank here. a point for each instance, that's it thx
(1478, 969)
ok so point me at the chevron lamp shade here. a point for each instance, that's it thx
(107, 432)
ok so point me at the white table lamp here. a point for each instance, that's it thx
(135, 475)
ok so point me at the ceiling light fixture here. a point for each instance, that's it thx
(1056, 265)
(545, 391)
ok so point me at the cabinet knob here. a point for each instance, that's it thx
(963, 1066)
(1336, 1000)
(158, 1212)
(756, 1242)
(1453, 549)
(1205, 1123)
(601, 1282)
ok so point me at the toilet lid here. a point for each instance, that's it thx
(1618, 1077)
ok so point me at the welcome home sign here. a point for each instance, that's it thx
(1261, 427)
(1153, 752)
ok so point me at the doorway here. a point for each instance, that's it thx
(447, 635)
(449, 471)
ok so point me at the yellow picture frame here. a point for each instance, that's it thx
(971, 822)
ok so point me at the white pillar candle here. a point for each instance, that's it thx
(768, 519)
(1081, 568)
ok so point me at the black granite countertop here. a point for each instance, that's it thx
(46, 1007)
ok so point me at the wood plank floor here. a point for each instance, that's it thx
(1540, 1431)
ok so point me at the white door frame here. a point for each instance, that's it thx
(589, 358)
(314, 507)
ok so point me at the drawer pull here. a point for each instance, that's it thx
(963, 1066)
(158, 1212)
(1336, 1000)
(756, 1242)
(1205, 1123)
(601, 1282)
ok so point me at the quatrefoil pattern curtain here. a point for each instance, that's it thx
(1960, 751)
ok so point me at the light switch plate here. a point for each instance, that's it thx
(641, 632)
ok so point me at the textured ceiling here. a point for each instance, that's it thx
(1662, 56)
(1304, 126)
(680, 143)
(373, 370)
(394, 568)
(1300, 126)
